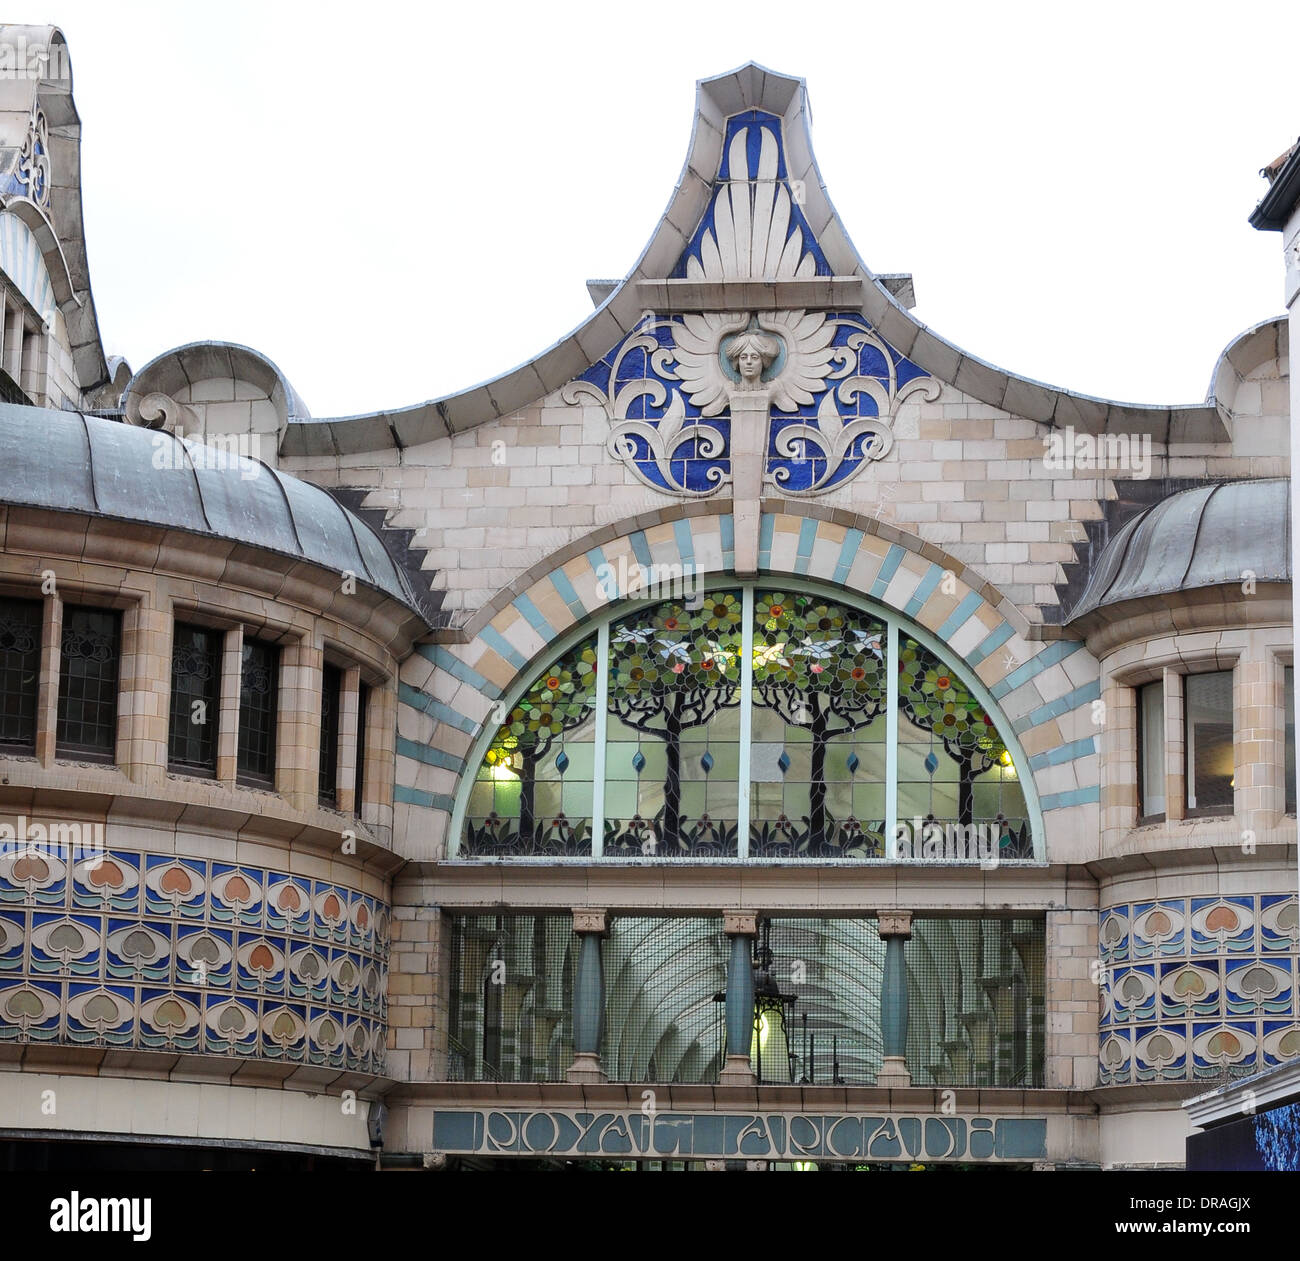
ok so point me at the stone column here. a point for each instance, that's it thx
(588, 997)
(742, 928)
(895, 928)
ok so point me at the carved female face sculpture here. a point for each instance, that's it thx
(750, 354)
(750, 364)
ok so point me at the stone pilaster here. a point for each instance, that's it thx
(1073, 1000)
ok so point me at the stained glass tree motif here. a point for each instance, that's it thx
(561, 700)
(673, 669)
(936, 702)
(819, 666)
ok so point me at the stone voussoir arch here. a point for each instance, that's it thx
(1047, 690)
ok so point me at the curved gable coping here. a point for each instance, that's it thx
(747, 87)
(187, 365)
(64, 247)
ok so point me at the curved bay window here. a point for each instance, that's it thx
(749, 723)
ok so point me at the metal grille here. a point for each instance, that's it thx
(833, 969)
(662, 1020)
(195, 699)
(257, 705)
(512, 979)
(976, 997)
(20, 667)
(328, 778)
(91, 651)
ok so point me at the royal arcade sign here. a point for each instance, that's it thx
(654, 1135)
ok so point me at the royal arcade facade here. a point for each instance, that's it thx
(753, 733)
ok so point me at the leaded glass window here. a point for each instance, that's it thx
(533, 791)
(953, 768)
(195, 699)
(672, 753)
(749, 722)
(88, 673)
(817, 760)
(20, 668)
(258, 698)
(330, 696)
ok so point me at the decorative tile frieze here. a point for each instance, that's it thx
(1198, 988)
(156, 952)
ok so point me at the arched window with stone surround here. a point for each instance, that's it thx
(754, 721)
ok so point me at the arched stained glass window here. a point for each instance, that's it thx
(756, 722)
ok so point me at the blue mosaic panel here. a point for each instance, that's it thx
(1198, 988)
(153, 952)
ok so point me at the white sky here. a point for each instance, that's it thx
(396, 202)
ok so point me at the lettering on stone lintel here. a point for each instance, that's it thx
(734, 1136)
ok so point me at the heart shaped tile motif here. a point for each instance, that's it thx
(65, 939)
(284, 1027)
(237, 889)
(327, 1033)
(101, 1009)
(176, 880)
(1258, 982)
(1113, 1053)
(347, 975)
(204, 949)
(1132, 989)
(139, 943)
(1288, 918)
(1222, 919)
(331, 908)
(169, 1014)
(289, 898)
(310, 965)
(105, 874)
(1157, 924)
(30, 867)
(1222, 1043)
(260, 958)
(232, 1020)
(1289, 1043)
(358, 1040)
(1189, 983)
(24, 1003)
(1112, 930)
(1160, 1048)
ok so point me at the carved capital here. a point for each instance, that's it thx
(589, 920)
(895, 924)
